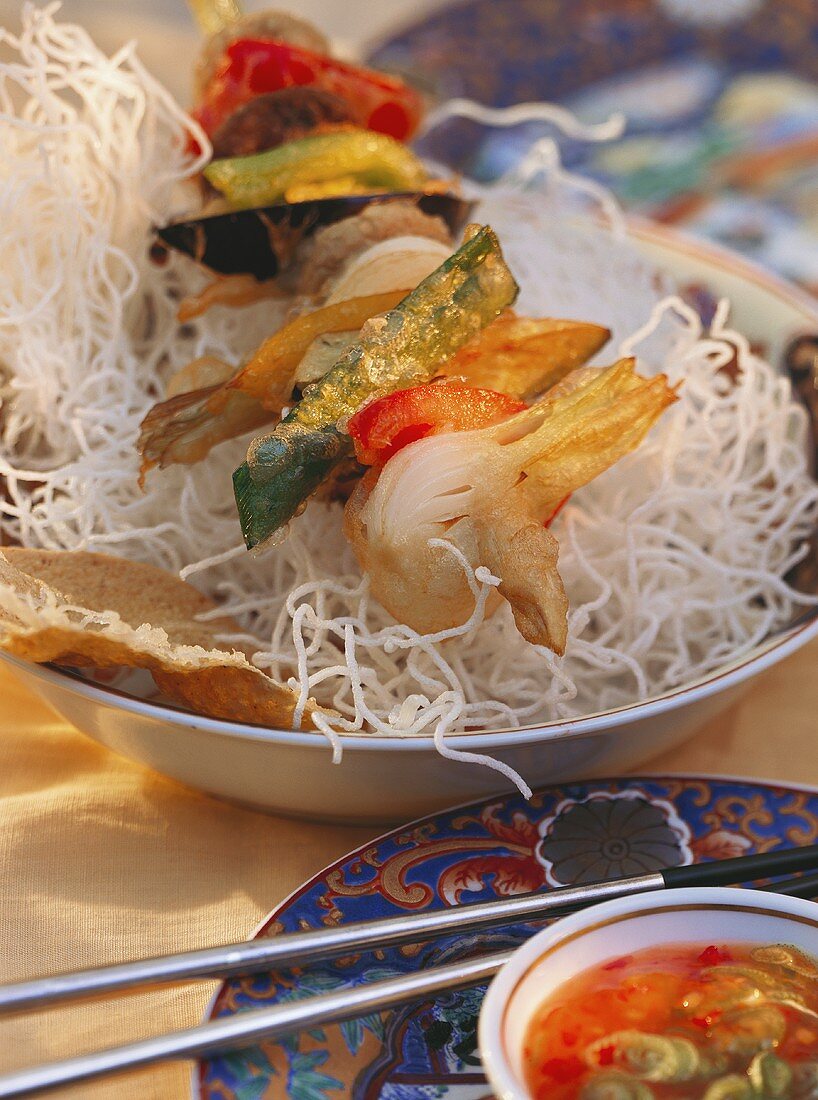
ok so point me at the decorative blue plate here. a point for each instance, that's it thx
(721, 98)
(569, 834)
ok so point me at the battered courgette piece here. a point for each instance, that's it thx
(374, 161)
(404, 347)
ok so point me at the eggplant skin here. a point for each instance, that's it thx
(261, 241)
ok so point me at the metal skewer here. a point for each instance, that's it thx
(805, 886)
(304, 948)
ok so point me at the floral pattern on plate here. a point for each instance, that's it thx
(721, 100)
(611, 836)
(490, 849)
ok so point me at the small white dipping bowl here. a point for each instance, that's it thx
(707, 915)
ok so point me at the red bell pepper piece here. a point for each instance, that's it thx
(253, 66)
(381, 428)
(606, 1055)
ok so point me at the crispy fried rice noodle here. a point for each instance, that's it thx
(673, 560)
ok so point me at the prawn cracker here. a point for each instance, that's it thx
(93, 610)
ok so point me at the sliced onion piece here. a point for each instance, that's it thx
(389, 265)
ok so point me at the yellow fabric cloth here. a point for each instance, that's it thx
(103, 861)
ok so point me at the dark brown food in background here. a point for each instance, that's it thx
(272, 119)
(801, 361)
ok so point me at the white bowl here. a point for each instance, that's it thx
(397, 779)
(615, 928)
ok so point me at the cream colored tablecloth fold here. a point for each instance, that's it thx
(102, 860)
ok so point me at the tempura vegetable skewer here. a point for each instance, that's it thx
(184, 428)
(404, 347)
(517, 356)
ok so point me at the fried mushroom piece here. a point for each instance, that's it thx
(320, 258)
(272, 119)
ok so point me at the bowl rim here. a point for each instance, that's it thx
(494, 1056)
(576, 728)
(730, 674)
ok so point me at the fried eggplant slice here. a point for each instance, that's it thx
(262, 241)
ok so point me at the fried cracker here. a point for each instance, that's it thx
(86, 609)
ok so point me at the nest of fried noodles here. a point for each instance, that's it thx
(674, 560)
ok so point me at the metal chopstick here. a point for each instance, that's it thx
(245, 1029)
(304, 948)
(249, 1028)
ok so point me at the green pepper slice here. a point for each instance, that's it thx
(402, 348)
(788, 958)
(770, 1076)
(749, 1030)
(733, 1087)
(649, 1057)
(376, 161)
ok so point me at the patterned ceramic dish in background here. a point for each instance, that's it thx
(721, 99)
(474, 853)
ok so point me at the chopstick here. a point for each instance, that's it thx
(804, 886)
(303, 948)
(248, 1028)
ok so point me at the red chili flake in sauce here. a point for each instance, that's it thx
(712, 956)
(563, 1070)
(705, 1022)
(618, 964)
(606, 1055)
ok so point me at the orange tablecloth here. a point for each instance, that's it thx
(103, 860)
